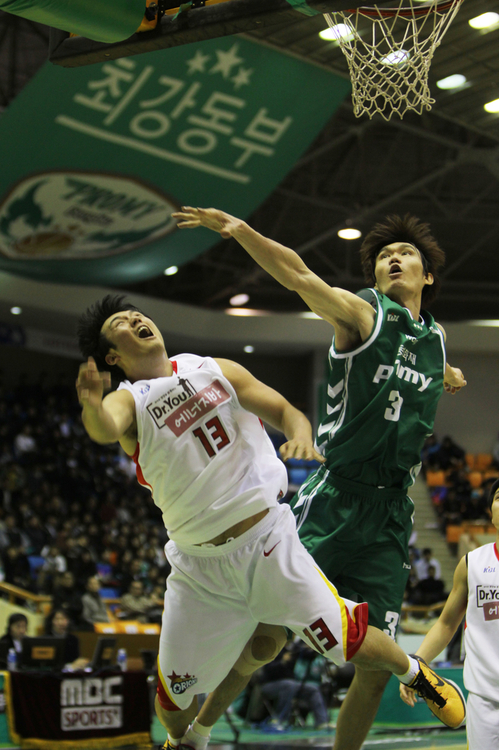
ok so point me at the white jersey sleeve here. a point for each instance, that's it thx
(208, 462)
(481, 666)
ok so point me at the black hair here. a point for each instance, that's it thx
(91, 341)
(49, 620)
(493, 489)
(15, 617)
(404, 229)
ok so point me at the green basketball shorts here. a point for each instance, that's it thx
(359, 536)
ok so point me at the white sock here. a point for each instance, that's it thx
(411, 673)
(200, 729)
(197, 736)
(174, 743)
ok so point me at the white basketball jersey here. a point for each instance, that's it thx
(207, 461)
(481, 666)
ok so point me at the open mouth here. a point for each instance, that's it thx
(144, 332)
(395, 269)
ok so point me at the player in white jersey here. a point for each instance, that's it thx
(475, 593)
(193, 427)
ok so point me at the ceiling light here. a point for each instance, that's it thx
(335, 33)
(16, 310)
(249, 349)
(349, 234)
(397, 58)
(170, 271)
(239, 299)
(485, 323)
(484, 21)
(245, 312)
(492, 106)
(452, 82)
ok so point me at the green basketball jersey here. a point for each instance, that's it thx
(382, 397)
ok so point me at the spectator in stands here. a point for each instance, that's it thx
(10, 535)
(429, 453)
(135, 604)
(423, 565)
(17, 568)
(57, 624)
(311, 670)
(459, 482)
(449, 454)
(429, 590)
(94, 609)
(68, 598)
(25, 445)
(55, 564)
(290, 677)
(17, 626)
(450, 510)
(83, 566)
(36, 535)
(133, 572)
(476, 508)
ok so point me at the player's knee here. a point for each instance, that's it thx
(263, 646)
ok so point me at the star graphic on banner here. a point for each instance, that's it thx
(226, 61)
(197, 64)
(242, 78)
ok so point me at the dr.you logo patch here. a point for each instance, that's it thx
(81, 215)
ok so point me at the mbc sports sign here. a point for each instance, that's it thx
(92, 703)
(99, 157)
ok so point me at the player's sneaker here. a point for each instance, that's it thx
(443, 697)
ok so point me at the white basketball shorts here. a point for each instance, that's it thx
(482, 723)
(216, 596)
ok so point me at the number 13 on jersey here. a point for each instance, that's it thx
(212, 436)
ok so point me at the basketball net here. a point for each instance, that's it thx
(389, 53)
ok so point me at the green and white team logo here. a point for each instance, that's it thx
(76, 214)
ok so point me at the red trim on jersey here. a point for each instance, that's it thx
(175, 366)
(356, 629)
(496, 551)
(164, 699)
(138, 468)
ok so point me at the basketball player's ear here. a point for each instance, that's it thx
(112, 358)
(428, 279)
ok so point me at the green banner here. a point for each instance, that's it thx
(99, 157)
(95, 19)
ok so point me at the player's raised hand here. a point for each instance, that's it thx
(91, 384)
(211, 218)
(300, 448)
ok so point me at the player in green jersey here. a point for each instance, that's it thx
(387, 372)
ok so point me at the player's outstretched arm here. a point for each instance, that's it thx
(274, 409)
(337, 306)
(439, 636)
(106, 420)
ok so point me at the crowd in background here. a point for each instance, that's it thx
(73, 518)
(462, 493)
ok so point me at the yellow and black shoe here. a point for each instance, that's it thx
(443, 697)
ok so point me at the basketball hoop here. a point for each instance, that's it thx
(389, 53)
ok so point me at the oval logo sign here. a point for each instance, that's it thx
(76, 214)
